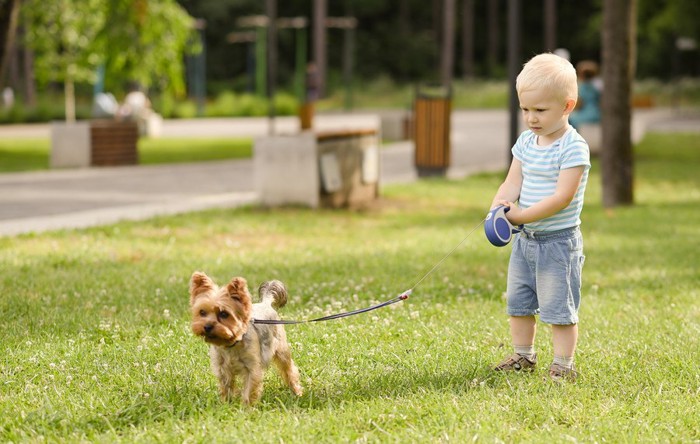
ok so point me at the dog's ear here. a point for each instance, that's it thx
(238, 290)
(200, 283)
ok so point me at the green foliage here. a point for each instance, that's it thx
(136, 40)
(63, 33)
(49, 107)
(145, 42)
(95, 343)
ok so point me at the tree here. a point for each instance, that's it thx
(468, 39)
(136, 40)
(9, 10)
(448, 44)
(64, 35)
(144, 41)
(618, 40)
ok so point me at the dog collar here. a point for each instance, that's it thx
(498, 228)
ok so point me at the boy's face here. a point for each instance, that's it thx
(545, 114)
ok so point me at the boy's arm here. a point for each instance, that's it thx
(509, 191)
(567, 185)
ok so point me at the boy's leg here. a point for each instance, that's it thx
(523, 330)
(559, 285)
(522, 306)
(564, 338)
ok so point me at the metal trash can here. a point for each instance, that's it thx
(432, 112)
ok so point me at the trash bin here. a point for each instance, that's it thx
(306, 116)
(431, 130)
(113, 142)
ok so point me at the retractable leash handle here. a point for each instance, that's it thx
(498, 228)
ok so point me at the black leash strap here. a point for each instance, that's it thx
(402, 297)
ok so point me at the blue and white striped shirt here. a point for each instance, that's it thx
(541, 166)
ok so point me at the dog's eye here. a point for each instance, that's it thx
(202, 313)
(223, 315)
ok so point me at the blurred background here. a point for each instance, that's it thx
(215, 58)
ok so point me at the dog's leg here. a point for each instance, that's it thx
(227, 387)
(287, 369)
(252, 386)
(226, 379)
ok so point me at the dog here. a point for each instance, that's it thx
(241, 350)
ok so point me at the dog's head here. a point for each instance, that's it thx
(219, 315)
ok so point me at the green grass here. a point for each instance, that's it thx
(95, 343)
(33, 154)
(157, 151)
(24, 154)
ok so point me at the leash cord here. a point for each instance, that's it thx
(402, 297)
(447, 255)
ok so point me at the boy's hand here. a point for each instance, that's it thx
(514, 213)
(501, 203)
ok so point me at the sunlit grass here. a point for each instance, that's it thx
(21, 154)
(168, 150)
(24, 154)
(95, 343)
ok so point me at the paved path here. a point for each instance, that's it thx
(48, 200)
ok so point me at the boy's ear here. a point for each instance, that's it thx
(570, 105)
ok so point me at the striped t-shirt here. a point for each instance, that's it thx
(541, 166)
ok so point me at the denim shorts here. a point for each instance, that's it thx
(544, 275)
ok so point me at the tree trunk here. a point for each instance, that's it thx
(550, 25)
(320, 13)
(448, 43)
(29, 77)
(9, 17)
(618, 39)
(271, 11)
(494, 32)
(69, 90)
(468, 40)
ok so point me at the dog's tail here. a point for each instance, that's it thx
(273, 293)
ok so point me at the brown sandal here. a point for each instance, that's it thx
(516, 363)
(558, 373)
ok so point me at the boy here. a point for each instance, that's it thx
(547, 178)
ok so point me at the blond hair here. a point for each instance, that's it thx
(551, 72)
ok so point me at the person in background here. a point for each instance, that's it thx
(588, 107)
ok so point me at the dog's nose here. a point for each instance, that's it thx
(208, 328)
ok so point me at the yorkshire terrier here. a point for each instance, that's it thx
(239, 347)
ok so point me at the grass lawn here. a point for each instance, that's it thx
(24, 154)
(33, 154)
(95, 342)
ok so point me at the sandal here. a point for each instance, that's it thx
(516, 363)
(558, 373)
